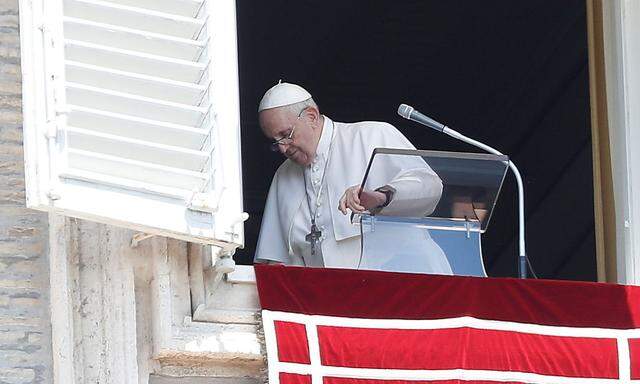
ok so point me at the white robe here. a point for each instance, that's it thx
(347, 148)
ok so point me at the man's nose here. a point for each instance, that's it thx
(283, 148)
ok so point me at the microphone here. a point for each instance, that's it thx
(409, 113)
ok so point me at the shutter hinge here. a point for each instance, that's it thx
(244, 216)
(51, 131)
(202, 202)
(53, 195)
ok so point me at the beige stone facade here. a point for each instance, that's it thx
(25, 330)
(80, 304)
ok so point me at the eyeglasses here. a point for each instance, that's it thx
(288, 139)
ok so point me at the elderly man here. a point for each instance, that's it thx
(305, 220)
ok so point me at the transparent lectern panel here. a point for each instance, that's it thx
(460, 187)
(434, 246)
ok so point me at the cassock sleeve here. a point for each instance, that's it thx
(417, 187)
(417, 193)
(272, 241)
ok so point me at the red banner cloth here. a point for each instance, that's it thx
(339, 326)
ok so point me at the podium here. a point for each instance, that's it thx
(437, 226)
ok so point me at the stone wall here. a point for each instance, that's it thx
(77, 296)
(25, 331)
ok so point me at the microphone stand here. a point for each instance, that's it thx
(522, 259)
(522, 265)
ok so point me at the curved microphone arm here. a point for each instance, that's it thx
(522, 265)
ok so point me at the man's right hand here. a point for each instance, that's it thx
(358, 200)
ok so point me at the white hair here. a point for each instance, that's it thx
(298, 107)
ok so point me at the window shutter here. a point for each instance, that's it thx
(131, 114)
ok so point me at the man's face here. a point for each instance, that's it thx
(277, 123)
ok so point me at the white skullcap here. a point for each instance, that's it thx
(283, 94)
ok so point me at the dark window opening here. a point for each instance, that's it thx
(511, 74)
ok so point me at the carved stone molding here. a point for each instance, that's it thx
(121, 314)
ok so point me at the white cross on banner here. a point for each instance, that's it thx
(337, 326)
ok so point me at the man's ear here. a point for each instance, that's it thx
(313, 113)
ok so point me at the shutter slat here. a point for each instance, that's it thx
(131, 39)
(136, 170)
(137, 128)
(170, 156)
(188, 8)
(134, 17)
(119, 102)
(136, 62)
(136, 84)
(120, 183)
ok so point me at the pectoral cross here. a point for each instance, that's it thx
(313, 237)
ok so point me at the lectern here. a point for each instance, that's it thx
(451, 223)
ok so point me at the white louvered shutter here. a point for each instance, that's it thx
(131, 114)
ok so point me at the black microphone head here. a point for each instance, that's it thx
(405, 110)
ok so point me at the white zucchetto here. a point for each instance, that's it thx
(283, 94)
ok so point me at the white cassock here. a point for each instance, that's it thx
(344, 151)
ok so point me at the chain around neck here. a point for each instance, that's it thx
(314, 214)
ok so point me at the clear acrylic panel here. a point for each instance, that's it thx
(470, 184)
(435, 246)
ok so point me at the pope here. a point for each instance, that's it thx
(306, 219)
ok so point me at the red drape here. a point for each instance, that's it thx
(366, 327)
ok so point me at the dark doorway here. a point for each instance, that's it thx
(512, 74)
